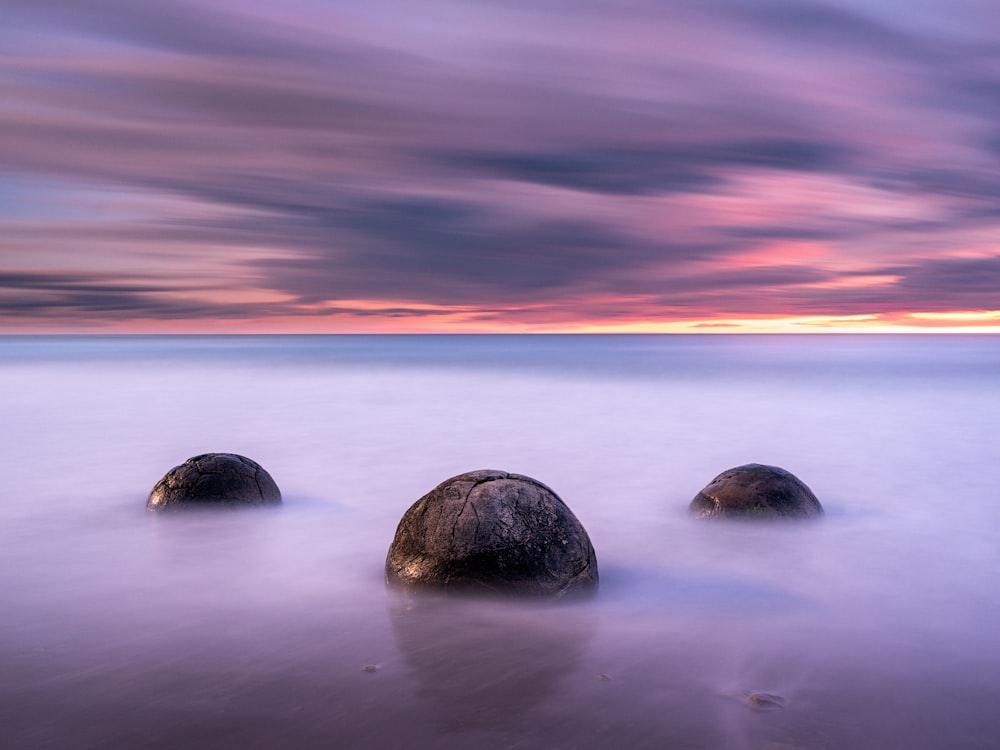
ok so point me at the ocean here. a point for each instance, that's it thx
(873, 627)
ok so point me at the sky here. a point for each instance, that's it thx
(311, 166)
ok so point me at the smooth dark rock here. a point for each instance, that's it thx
(756, 491)
(492, 531)
(214, 479)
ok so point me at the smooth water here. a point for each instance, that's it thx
(876, 626)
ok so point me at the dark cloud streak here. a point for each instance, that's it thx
(651, 170)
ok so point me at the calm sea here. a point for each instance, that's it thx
(875, 627)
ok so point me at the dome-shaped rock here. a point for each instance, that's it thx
(493, 531)
(213, 479)
(756, 491)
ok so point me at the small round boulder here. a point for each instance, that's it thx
(214, 479)
(756, 491)
(496, 532)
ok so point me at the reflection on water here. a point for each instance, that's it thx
(481, 664)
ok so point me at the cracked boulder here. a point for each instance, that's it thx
(495, 532)
(756, 491)
(214, 479)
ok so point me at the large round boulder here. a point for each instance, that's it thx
(756, 491)
(495, 532)
(214, 479)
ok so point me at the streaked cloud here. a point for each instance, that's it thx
(476, 166)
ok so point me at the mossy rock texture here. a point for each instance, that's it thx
(214, 479)
(492, 531)
(756, 491)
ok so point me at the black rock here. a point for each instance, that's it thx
(492, 531)
(756, 491)
(214, 479)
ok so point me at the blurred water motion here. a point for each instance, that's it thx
(273, 627)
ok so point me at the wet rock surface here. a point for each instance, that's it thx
(492, 531)
(756, 491)
(214, 479)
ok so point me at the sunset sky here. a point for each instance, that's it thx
(559, 165)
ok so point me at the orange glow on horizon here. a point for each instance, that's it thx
(970, 315)
(372, 317)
